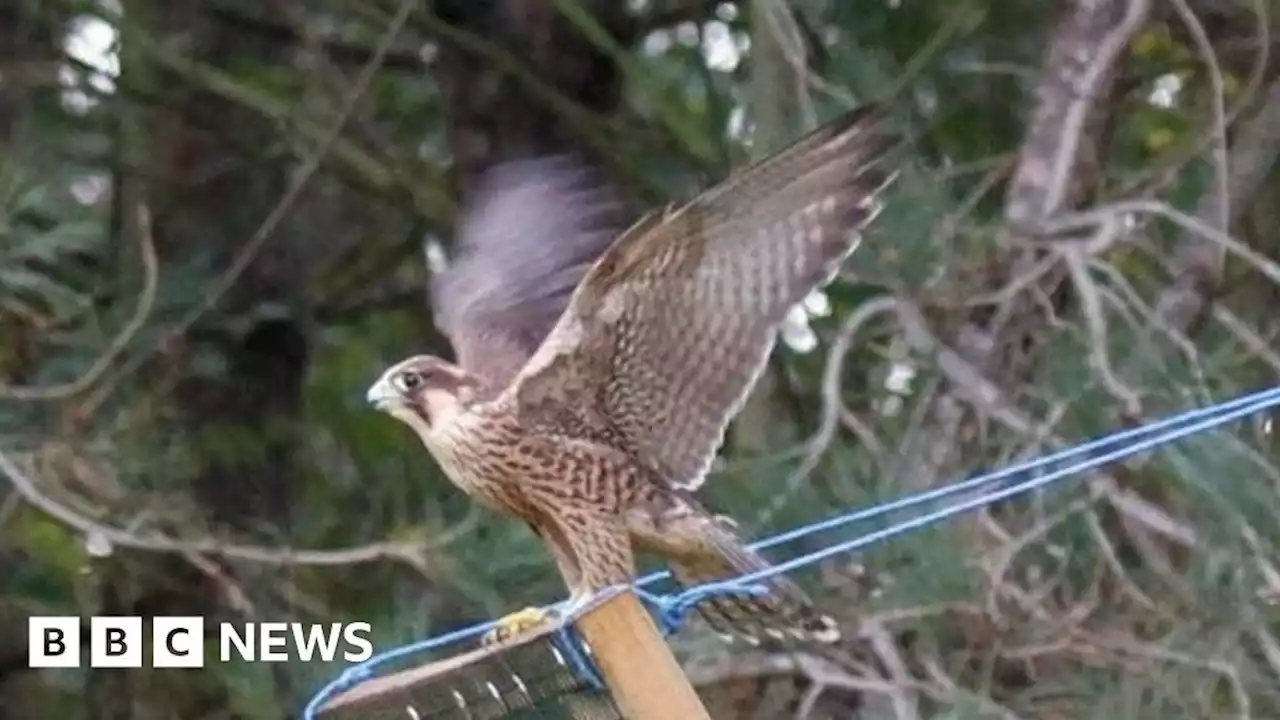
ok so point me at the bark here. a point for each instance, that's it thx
(1057, 170)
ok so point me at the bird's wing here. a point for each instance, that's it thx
(524, 244)
(671, 328)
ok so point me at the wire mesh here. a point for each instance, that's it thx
(530, 678)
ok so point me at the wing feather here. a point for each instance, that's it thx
(533, 230)
(669, 331)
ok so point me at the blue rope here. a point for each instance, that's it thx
(672, 610)
(365, 670)
(1094, 455)
(566, 638)
(1262, 400)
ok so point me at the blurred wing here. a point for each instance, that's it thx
(534, 229)
(670, 330)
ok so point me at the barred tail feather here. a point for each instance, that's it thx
(785, 612)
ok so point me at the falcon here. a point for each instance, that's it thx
(597, 371)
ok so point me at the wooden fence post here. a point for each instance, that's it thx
(643, 676)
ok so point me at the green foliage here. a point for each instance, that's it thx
(1070, 603)
(44, 281)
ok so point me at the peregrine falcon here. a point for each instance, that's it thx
(597, 372)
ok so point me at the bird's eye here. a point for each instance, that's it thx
(409, 381)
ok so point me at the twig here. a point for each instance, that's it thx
(1269, 647)
(966, 379)
(904, 705)
(266, 230)
(141, 311)
(999, 567)
(818, 670)
(1217, 204)
(1107, 213)
(410, 552)
(1095, 318)
(1253, 155)
(1248, 337)
(1257, 74)
(1144, 314)
(234, 595)
(1216, 665)
(863, 433)
(829, 421)
(1112, 559)
(934, 670)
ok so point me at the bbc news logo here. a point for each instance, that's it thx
(179, 642)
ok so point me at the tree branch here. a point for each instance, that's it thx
(1062, 140)
(410, 552)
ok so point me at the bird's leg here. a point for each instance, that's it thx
(531, 617)
(592, 553)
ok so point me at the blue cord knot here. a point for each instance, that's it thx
(353, 676)
(673, 610)
(567, 640)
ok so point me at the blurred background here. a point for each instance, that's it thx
(218, 217)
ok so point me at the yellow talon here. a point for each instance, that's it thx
(516, 623)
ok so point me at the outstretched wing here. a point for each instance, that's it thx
(534, 229)
(671, 328)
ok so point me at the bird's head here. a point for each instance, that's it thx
(424, 392)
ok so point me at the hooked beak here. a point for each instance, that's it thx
(383, 396)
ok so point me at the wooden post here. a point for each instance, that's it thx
(643, 676)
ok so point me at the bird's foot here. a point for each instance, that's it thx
(531, 618)
(519, 622)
